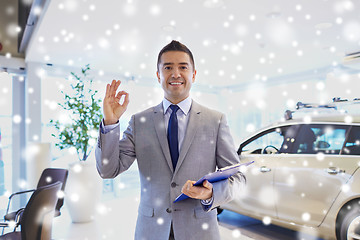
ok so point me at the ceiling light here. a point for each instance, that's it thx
(168, 28)
(322, 26)
(273, 15)
(213, 3)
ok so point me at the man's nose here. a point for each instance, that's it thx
(176, 73)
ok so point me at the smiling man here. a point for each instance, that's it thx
(176, 74)
(175, 143)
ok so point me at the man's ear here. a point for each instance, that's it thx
(158, 76)
(193, 77)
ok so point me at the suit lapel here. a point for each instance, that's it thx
(192, 127)
(161, 133)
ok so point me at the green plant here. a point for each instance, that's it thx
(84, 116)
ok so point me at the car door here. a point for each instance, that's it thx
(309, 179)
(259, 196)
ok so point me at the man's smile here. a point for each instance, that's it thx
(176, 83)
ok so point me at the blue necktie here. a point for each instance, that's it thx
(173, 135)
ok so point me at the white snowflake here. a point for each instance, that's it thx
(348, 119)
(307, 119)
(266, 220)
(72, 151)
(205, 226)
(48, 179)
(143, 119)
(92, 141)
(306, 217)
(77, 168)
(17, 119)
(236, 233)
(60, 194)
(22, 184)
(267, 196)
(345, 188)
(160, 221)
(74, 197)
(92, 7)
(102, 209)
(121, 185)
(250, 127)
(291, 181)
(155, 10)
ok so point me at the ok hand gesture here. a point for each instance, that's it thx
(112, 108)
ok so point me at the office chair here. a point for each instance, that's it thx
(36, 219)
(48, 176)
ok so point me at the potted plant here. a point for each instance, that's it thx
(79, 135)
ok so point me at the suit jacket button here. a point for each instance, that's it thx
(173, 184)
(168, 210)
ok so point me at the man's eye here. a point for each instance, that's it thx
(167, 68)
(184, 68)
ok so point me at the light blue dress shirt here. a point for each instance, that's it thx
(182, 116)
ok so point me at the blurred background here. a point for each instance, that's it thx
(254, 60)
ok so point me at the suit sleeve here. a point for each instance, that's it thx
(226, 190)
(114, 156)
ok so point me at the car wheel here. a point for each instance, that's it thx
(350, 225)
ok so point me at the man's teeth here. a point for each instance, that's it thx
(175, 83)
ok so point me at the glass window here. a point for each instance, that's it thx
(352, 145)
(51, 96)
(5, 137)
(316, 138)
(269, 141)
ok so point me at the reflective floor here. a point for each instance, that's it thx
(118, 217)
(118, 223)
(255, 229)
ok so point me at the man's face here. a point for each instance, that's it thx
(176, 75)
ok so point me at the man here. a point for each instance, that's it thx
(175, 143)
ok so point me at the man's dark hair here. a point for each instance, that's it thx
(175, 46)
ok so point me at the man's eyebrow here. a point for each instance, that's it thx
(171, 63)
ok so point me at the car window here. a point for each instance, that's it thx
(352, 144)
(312, 139)
(273, 138)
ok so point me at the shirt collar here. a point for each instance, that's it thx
(184, 105)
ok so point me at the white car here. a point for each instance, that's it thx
(306, 175)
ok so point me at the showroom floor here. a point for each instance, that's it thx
(116, 218)
(117, 221)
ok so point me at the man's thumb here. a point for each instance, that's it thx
(207, 184)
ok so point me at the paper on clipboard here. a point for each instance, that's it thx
(220, 174)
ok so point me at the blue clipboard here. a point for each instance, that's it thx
(220, 174)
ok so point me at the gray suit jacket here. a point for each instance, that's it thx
(207, 145)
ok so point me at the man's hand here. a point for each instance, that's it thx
(111, 105)
(198, 192)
